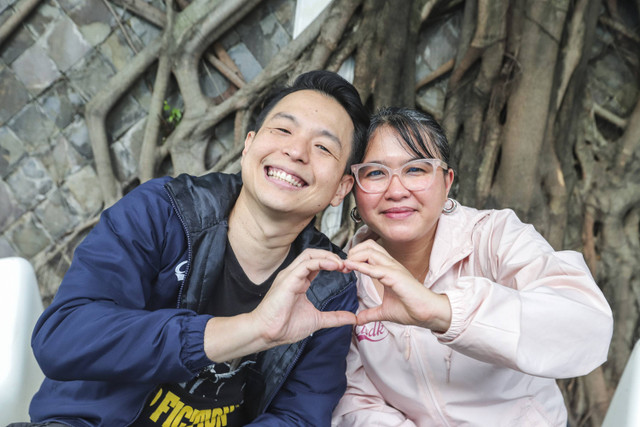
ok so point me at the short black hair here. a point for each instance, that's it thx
(335, 86)
(420, 131)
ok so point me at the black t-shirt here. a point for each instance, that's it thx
(216, 395)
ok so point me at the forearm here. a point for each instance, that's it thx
(546, 332)
(101, 341)
(227, 338)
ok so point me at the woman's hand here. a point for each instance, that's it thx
(405, 300)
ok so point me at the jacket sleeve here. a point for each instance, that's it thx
(531, 308)
(362, 404)
(109, 319)
(317, 381)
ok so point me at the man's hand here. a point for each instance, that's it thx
(405, 300)
(284, 316)
(285, 313)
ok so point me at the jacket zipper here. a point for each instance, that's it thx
(189, 251)
(430, 388)
(298, 354)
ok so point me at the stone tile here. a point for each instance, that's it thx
(221, 142)
(116, 50)
(144, 31)
(33, 127)
(248, 64)
(91, 74)
(437, 45)
(5, 249)
(20, 40)
(77, 135)
(42, 17)
(35, 69)
(28, 236)
(13, 94)
(65, 44)
(212, 82)
(30, 182)
(50, 276)
(56, 216)
(84, 187)
(263, 35)
(123, 115)
(11, 151)
(126, 151)
(4, 4)
(63, 159)
(94, 20)
(284, 11)
(10, 210)
(61, 103)
(69, 5)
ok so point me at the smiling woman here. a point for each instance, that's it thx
(466, 316)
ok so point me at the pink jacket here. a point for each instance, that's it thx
(523, 315)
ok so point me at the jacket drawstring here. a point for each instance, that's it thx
(407, 348)
(449, 355)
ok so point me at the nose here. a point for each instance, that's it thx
(396, 190)
(297, 149)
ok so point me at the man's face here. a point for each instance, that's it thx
(295, 162)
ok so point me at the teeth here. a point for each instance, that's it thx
(283, 176)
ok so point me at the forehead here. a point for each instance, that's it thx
(388, 141)
(313, 109)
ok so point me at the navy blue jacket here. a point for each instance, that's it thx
(127, 316)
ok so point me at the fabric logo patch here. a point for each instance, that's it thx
(372, 332)
(180, 272)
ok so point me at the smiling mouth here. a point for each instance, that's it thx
(285, 177)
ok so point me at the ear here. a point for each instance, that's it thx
(346, 183)
(247, 142)
(448, 180)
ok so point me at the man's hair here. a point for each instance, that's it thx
(333, 85)
(420, 131)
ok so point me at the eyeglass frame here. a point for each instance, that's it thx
(435, 163)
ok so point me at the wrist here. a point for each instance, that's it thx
(438, 316)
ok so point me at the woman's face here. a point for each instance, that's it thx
(398, 215)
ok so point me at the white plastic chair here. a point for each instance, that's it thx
(20, 307)
(624, 410)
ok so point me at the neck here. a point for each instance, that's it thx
(414, 256)
(260, 240)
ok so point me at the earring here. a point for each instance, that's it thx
(355, 215)
(449, 206)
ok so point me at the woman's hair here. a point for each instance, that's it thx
(421, 133)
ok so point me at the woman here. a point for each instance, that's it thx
(466, 316)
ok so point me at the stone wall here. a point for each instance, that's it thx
(62, 55)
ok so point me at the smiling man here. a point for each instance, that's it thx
(213, 300)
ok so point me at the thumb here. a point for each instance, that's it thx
(369, 315)
(332, 319)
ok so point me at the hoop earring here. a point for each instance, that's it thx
(449, 206)
(355, 215)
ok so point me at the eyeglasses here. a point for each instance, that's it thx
(414, 175)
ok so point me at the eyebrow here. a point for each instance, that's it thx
(322, 132)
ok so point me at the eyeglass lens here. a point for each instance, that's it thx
(414, 175)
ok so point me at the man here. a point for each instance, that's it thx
(190, 303)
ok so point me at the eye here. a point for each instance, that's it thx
(418, 168)
(374, 173)
(281, 130)
(414, 170)
(323, 148)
